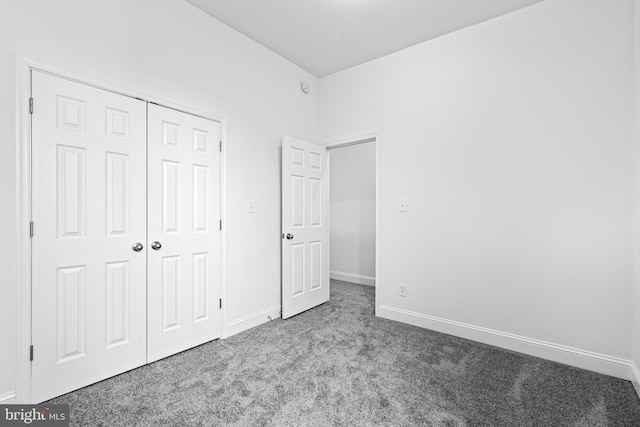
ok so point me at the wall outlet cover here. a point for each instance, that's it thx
(403, 290)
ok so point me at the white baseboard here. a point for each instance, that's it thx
(635, 377)
(250, 321)
(353, 278)
(596, 362)
(8, 399)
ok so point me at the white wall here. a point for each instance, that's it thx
(636, 194)
(353, 213)
(511, 141)
(171, 50)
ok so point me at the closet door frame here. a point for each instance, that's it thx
(23, 66)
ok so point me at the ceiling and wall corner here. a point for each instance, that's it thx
(327, 36)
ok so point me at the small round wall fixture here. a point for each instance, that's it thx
(306, 88)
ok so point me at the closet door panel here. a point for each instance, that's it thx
(89, 209)
(184, 237)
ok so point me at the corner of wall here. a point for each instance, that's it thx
(635, 377)
(635, 373)
(353, 278)
(247, 322)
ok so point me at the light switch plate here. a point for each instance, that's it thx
(403, 205)
(251, 206)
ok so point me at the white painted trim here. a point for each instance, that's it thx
(378, 223)
(346, 141)
(223, 233)
(635, 378)
(336, 145)
(22, 290)
(22, 286)
(8, 399)
(353, 278)
(360, 138)
(588, 360)
(247, 322)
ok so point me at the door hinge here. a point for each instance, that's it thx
(220, 302)
(220, 225)
(31, 353)
(31, 229)
(30, 105)
(221, 146)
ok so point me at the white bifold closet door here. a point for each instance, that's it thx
(184, 233)
(89, 208)
(126, 245)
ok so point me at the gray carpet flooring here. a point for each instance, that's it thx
(339, 365)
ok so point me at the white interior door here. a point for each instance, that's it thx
(184, 234)
(305, 226)
(89, 208)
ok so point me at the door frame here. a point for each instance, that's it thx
(364, 138)
(22, 267)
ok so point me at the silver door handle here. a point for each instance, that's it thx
(137, 247)
(289, 236)
(156, 245)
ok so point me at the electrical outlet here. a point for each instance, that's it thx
(403, 205)
(403, 290)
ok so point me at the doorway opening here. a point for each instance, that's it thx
(354, 213)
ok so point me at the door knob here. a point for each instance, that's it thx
(289, 236)
(137, 247)
(156, 245)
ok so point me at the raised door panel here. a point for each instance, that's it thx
(71, 324)
(118, 176)
(201, 141)
(170, 292)
(117, 303)
(117, 123)
(315, 202)
(298, 269)
(171, 204)
(200, 199)
(315, 267)
(71, 113)
(200, 286)
(170, 134)
(71, 191)
(297, 202)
